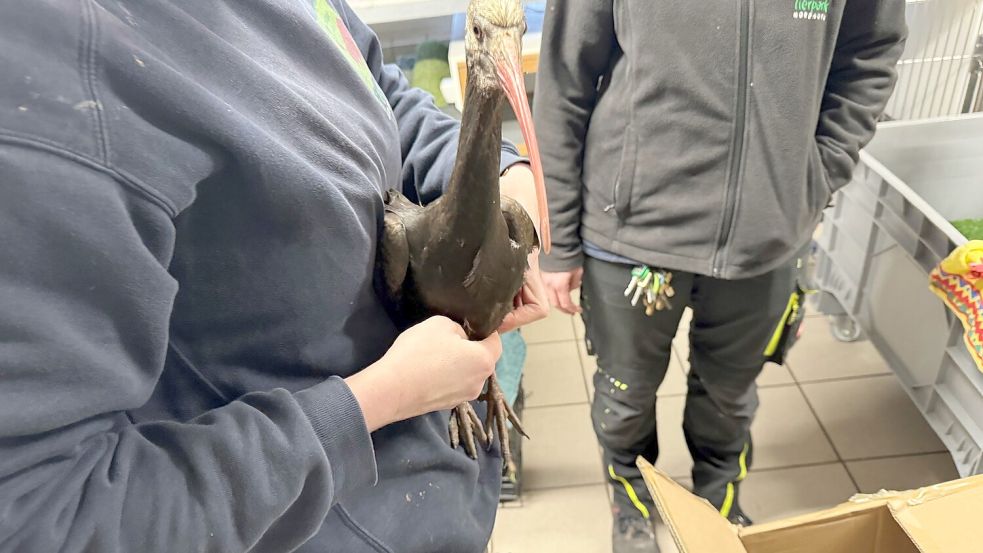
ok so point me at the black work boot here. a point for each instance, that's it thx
(633, 533)
(739, 517)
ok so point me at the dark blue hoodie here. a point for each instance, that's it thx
(190, 193)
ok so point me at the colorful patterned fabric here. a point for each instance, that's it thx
(958, 281)
(336, 29)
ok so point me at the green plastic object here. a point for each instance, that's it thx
(431, 68)
(972, 229)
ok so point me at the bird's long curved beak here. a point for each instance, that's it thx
(509, 67)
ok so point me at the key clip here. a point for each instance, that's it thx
(652, 286)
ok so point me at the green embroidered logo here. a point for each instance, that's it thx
(811, 9)
(338, 32)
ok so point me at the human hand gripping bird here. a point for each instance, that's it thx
(471, 256)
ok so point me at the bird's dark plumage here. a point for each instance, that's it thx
(427, 271)
(465, 255)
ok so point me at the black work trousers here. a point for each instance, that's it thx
(734, 321)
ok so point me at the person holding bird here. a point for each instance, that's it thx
(196, 352)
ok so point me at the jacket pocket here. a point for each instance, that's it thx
(820, 192)
(625, 181)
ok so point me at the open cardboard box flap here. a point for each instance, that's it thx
(936, 519)
(695, 525)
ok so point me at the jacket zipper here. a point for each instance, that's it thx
(737, 151)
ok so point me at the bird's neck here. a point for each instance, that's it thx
(473, 192)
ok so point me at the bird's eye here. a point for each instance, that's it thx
(477, 32)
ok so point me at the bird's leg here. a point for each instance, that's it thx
(499, 414)
(455, 430)
(464, 425)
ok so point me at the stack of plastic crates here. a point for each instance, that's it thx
(886, 231)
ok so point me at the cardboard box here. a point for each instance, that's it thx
(945, 518)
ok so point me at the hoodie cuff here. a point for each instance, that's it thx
(338, 422)
(510, 156)
(559, 261)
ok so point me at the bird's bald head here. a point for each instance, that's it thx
(500, 13)
(493, 37)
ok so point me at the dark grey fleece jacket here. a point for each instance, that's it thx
(190, 193)
(706, 136)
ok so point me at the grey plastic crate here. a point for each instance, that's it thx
(886, 231)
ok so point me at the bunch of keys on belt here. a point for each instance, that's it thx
(653, 287)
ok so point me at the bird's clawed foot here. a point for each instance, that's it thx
(464, 427)
(499, 415)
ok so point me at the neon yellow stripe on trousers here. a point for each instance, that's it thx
(729, 497)
(742, 461)
(728, 500)
(631, 492)
(780, 329)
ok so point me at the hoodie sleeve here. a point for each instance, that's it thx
(428, 135)
(578, 41)
(85, 304)
(861, 79)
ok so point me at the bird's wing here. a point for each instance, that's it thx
(475, 273)
(394, 255)
(521, 228)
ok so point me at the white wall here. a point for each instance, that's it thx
(389, 11)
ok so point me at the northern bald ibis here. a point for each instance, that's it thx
(464, 256)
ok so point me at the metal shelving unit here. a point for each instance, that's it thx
(941, 70)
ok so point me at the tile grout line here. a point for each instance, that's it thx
(580, 359)
(567, 404)
(576, 343)
(572, 342)
(568, 487)
(581, 341)
(830, 462)
(897, 456)
(551, 341)
(675, 356)
(565, 487)
(796, 466)
(838, 378)
(659, 396)
(545, 341)
(843, 461)
(822, 427)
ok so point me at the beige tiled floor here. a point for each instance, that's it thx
(831, 423)
(839, 360)
(871, 417)
(565, 451)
